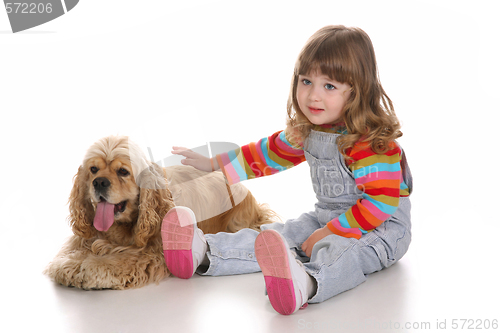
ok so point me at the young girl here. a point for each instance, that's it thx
(342, 123)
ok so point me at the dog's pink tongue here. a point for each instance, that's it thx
(104, 216)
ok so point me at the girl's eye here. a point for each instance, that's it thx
(306, 82)
(94, 169)
(329, 86)
(123, 172)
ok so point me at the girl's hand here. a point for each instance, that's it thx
(195, 160)
(315, 237)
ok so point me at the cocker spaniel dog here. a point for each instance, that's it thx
(117, 204)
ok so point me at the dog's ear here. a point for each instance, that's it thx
(155, 201)
(80, 208)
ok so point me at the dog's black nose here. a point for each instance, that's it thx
(101, 183)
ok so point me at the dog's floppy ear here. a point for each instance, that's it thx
(155, 201)
(80, 207)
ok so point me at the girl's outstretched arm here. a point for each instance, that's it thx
(196, 160)
(268, 156)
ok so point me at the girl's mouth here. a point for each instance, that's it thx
(315, 111)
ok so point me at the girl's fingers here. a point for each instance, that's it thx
(193, 159)
(178, 149)
(182, 151)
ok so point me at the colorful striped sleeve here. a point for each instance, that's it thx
(268, 156)
(378, 176)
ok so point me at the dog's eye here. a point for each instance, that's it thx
(93, 169)
(123, 172)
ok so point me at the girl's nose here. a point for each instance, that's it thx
(314, 95)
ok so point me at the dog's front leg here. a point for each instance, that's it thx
(65, 268)
(98, 264)
(110, 267)
(82, 265)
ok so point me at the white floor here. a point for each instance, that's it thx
(188, 73)
(423, 291)
(207, 304)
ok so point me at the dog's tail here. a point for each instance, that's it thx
(250, 214)
(246, 214)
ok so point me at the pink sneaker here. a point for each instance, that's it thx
(286, 279)
(184, 245)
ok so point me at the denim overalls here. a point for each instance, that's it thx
(337, 263)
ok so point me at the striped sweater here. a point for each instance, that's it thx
(378, 176)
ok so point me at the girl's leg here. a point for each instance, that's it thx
(184, 245)
(230, 253)
(278, 250)
(296, 231)
(287, 283)
(339, 264)
(188, 250)
(233, 253)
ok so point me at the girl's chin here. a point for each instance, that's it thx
(316, 121)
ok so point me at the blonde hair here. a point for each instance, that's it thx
(347, 56)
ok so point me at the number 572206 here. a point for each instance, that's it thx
(28, 8)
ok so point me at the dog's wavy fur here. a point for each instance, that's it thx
(129, 254)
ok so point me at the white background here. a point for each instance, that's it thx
(172, 73)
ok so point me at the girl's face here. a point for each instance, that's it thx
(322, 99)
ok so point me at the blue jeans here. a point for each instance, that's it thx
(337, 263)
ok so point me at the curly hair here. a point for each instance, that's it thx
(347, 56)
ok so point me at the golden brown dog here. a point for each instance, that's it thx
(116, 208)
